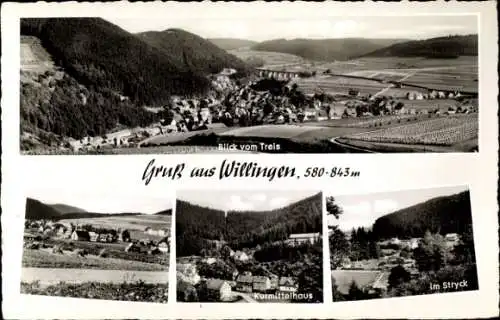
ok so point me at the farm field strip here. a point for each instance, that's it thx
(369, 122)
(121, 223)
(282, 131)
(51, 276)
(46, 259)
(443, 131)
(175, 137)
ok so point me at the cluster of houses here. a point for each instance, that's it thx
(234, 103)
(91, 234)
(245, 282)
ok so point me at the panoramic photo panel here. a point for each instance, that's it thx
(96, 247)
(401, 243)
(202, 83)
(249, 246)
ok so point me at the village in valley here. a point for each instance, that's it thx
(274, 266)
(309, 95)
(71, 252)
(394, 258)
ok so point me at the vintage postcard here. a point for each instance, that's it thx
(249, 160)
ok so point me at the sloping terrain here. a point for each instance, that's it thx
(441, 47)
(325, 49)
(232, 43)
(191, 51)
(448, 214)
(195, 225)
(85, 76)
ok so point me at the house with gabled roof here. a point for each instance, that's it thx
(287, 284)
(221, 288)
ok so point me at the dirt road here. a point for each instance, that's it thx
(50, 276)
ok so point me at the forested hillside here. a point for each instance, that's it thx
(100, 54)
(192, 51)
(325, 49)
(38, 210)
(442, 47)
(247, 229)
(449, 214)
(195, 225)
(98, 77)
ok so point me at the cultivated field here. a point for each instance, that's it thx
(372, 122)
(44, 258)
(400, 64)
(344, 278)
(441, 74)
(134, 222)
(279, 131)
(272, 59)
(443, 131)
(445, 80)
(339, 85)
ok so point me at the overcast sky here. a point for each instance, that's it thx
(363, 210)
(102, 202)
(242, 200)
(210, 23)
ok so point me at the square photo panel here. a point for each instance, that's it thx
(249, 246)
(96, 247)
(401, 243)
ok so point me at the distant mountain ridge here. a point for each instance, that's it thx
(440, 47)
(36, 210)
(446, 214)
(326, 49)
(232, 43)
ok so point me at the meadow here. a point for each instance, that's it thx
(363, 278)
(69, 247)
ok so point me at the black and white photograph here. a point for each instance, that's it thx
(401, 243)
(249, 246)
(96, 247)
(186, 83)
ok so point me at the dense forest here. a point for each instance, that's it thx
(442, 47)
(108, 74)
(192, 51)
(38, 210)
(325, 49)
(448, 214)
(196, 225)
(99, 54)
